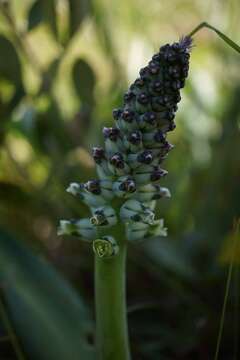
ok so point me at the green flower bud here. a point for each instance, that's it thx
(82, 228)
(151, 192)
(136, 231)
(157, 229)
(106, 247)
(142, 176)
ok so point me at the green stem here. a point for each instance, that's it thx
(225, 38)
(111, 314)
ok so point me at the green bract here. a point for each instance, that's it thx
(129, 167)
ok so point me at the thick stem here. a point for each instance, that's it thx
(111, 314)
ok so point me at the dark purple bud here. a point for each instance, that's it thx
(172, 126)
(98, 154)
(129, 95)
(143, 72)
(174, 71)
(170, 115)
(157, 86)
(157, 58)
(158, 174)
(93, 186)
(153, 67)
(171, 56)
(176, 85)
(146, 157)
(182, 83)
(158, 103)
(128, 186)
(117, 113)
(111, 133)
(159, 137)
(178, 98)
(128, 115)
(135, 137)
(185, 71)
(167, 147)
(117, 161)
(184, 58)
(150, 118)
(164, 48)
(143, 98)
(139, 82)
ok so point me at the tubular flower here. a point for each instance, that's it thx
(129, 167)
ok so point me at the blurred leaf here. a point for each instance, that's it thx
(13, 194)
(49, 317)
(35, 16)
(50, 15)
(84, 81)
(49, 75)
(10, 67)
(79, 9)
(164, 253)
(43, 10)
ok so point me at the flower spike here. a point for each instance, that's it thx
(129, 167)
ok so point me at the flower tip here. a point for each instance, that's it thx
(73, 188)
(186, 43)
(62, 228)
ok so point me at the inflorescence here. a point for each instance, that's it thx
(129, 167)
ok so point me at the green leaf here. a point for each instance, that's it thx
(224, 37)
(50, 15)
(43, 11)
(79, 9)
(164, 253)
(48, 315)
(10, 67)
(84, 81)
(35, 16)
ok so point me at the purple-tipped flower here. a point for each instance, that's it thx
(129, 165)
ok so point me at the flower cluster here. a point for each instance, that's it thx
(129, 167)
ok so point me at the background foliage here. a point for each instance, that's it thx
(64, 65)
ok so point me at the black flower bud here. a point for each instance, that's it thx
(146, 157)
(128, 186)
(93, 186)
(111, 133)
(135, 137)
(98, 154)
(117, 113)
(117, 161)
(143, 98)
(128, 115)
(158, 174)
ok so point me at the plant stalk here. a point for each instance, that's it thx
(111, 312)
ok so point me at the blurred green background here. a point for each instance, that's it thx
(64, 66)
